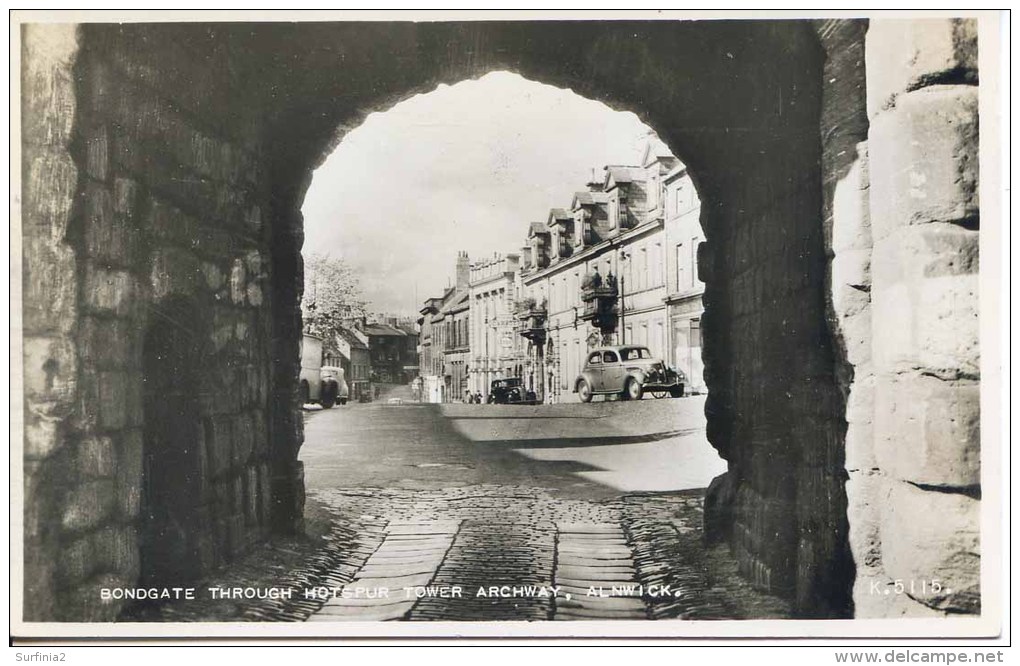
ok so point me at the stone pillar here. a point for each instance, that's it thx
(917, 514)
(49, 298)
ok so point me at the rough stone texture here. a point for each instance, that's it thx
(929, 431)
(190, 148)
(915, 496)
(930, 172)
(908, 54)
(931, 536)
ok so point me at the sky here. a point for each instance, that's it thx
(465, 167)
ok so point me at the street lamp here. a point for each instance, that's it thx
(623, 329)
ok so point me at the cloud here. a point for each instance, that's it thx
(465, 167)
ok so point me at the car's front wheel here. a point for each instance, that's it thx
(584, 390)
(633, 390)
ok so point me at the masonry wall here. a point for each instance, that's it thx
(163, 205)
(917, 489)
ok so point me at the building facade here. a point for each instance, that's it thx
(495, 350)
(616, 230)
(684, 287)
(444, 340)
(356, 361)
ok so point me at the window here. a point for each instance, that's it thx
(610, 357)
(595, 358)
(614, 213)
(696, 333)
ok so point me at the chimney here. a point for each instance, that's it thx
(594, 183)
(463, 270)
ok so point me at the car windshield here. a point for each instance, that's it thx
(635, 353)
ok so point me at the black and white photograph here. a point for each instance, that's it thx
(491, 324)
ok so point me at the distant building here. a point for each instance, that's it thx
(615, 228)
(444, 347)
(685, 289)
(495, 346)
(356, 361)
(388, 350)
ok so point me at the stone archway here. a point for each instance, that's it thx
(183, 168)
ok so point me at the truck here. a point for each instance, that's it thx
(320, 385)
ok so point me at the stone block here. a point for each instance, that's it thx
(927, 167)
(856, 333)
(115, 550)
(928, 431)
(125, 198)
(130, 452)
(219, 442)
(865, 493)
(244, 441)
(907, 54)
(96, 457)
(107, 291)
(929, 325)
(214, 278)
(134, 405)
(238, 282)
(75, 561)
(176, 272)
(851, 217)
(43, 436)
(860, 409)
(933, 537)
(97, 154)
(49, 284)
(851, 281)
(113, 399)
(109, 343)
(931, 250)
(88, 504)
(50, 373)
(49, 51)
(84, 603)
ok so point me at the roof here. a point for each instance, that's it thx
(458, 300)
(537, 228)
(586, 198)
(557, 214)
(655, 148)
(352, 339)
(407, 328)
(623, 174)
(383, 330)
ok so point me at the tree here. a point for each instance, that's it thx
(332, 296)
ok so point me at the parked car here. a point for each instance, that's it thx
(510, 391)
(320, 384)
(334, 386)
(628, 371)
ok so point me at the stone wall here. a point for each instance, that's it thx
(916, 491)
(165, 231)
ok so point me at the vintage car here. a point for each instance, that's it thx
(628, 371)
(334, 386)
(320, 384)
(510, 391)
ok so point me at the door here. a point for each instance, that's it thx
(612, 372)
(594, 370)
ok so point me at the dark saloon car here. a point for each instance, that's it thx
(628, 371)
(510, 391)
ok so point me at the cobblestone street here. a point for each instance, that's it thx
(431, 519)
